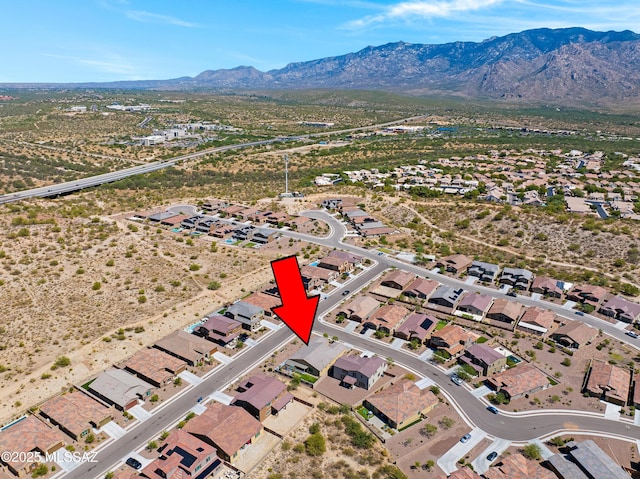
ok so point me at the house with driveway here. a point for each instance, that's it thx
(387, 318)
(249, 315)
(229, 429)
(359, 371)
(484, 359)
(538, 321)
(316, 358)
(262, 396)
(451, 339)
(621, 309)
(475, 304)
(219, 329)
(547, 286)
(587, 294)
(76, 414)
(520, 381)
(485, 272)
(186, 346)
(154, 366)
(417, 326)
(360, 308)
(517, 278)
(504, 313)
(446, 296)
(456, 263)
(401, 404)
(574, 334)
(608, 382)
(120, 388)
(421, 288)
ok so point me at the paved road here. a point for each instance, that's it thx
(512, 427)
(76, 185)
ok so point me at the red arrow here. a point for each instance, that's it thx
(297, 311)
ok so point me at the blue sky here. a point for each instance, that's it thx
(105, 40)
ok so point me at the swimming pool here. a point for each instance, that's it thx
(176, 230)
(315, 263)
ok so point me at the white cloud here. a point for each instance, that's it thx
(149, 17)
(420, 9)
(109, 63)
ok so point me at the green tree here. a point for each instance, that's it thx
(428, 430)
(315, 445)
(532, 451)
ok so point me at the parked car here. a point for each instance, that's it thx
(632, 334)
(492, 455)
(134, 463)
(465, 438)
(492, 409)
(456, 380)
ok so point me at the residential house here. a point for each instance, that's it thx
(451, 339)
(262, 396)
(223, 231)
(520, 381)
(401, 404)
(162, 216)
(387, 318)
(227, 428)
(336, 264)
(248, 314)
(475, 304)
(277, 218)
(231, 210)
(456, 263)
(360, 309)
(264, 301)
(397, 279)
(421, 288)
(27, 435)
(219, 329)
(263, 235)
(518, 278)
(505, 313)
(565, 469)
(243, 233)
(186, 346)
(621, 309)
(359, 371)
(76, 414)
(316, 358)
(574, 334)
(315, 278)
(462, 473)
(120, 388)
(446, 296)
(353, 259)
(591, 460)
(538, 321)
(417, 326)
(484, 359)
(154, 366)
(608, 382)
(547, 286)
(486, 272)
(183, 455)
(516, 466)
(588, 294)
(174, 220)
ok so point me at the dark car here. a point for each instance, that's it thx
(579, 313)
(492, 409)
(345, 292)
(492, 455)
(512, 294)
(134, 463)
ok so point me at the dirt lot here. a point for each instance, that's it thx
(95, 289)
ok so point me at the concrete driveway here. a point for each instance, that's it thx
(449, 460)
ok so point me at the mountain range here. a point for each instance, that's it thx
(559, 65)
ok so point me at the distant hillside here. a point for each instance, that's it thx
(562, 65)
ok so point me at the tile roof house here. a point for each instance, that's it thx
(350, 258)
(186, 346)
(485, 360)
(547, 286)
(264, 301)
(462, 473)
(505, 313)
(120, 388)
(183, 455)
(317, 357)
(358, 371)
(154, 366)
(421, 288)
(401, 404)
(387, 318)
(538, 321)
(516, 466)
(451, 339)
(249, 315)
(334, 263)
(262, 396)
(486, 272)
(314, 277)
(594, 462)
(588, 294)
(565, 469)
(30, 434)
(397, 279)
(574, 334)
(608, 382)
(219, 329)
(446, 296)
(360, 309)
(475, 304)
(416, 326)
(518, 278)
(519, 381)
(456, 263)
(227, 428)
(621, 309)
(76, 413)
